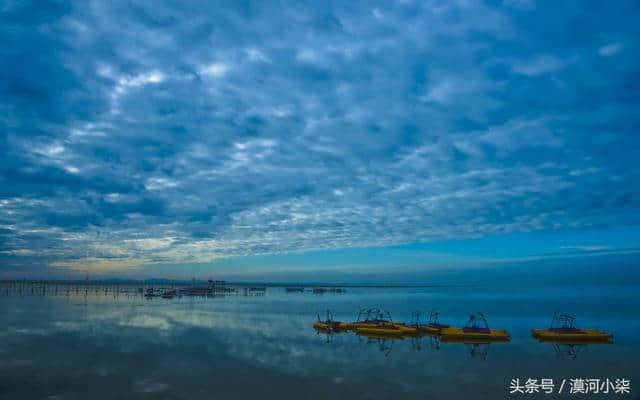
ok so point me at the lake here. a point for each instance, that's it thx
(103, 346)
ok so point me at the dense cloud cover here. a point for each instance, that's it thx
(175, 131)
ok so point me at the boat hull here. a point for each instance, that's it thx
(583, 335)
(433, 329)
(391, 330)
(326, 327)
(451, 334)
(352, 326)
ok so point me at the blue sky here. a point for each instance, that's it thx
(237, 138)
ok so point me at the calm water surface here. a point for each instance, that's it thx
(101, 347)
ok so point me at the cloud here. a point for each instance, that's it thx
(217, 70)
(610, 49)
(100, 265)
(155, 134)
(256, 54)
(541, 64)
(139, 80)
(586, 248)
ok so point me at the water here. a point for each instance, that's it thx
(105, 347)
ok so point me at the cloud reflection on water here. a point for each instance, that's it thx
(238, 346)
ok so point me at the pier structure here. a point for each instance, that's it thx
(148, 289)
(115, 289)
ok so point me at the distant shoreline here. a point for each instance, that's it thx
(147, 282)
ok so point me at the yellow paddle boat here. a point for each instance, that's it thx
(383, 330)
(476, 328)
(433, 326)
(479, 334)
(329, 324)
(407, 329)
(379, 322)
(368, 318)
(382, 337)
(322, 326)
(563, 329)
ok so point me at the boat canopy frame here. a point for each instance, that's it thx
(375, 315)
(329, 317)
(563, 322)
(477, 321)
(415, 318)
(434, 317)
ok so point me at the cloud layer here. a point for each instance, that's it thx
(135, 133)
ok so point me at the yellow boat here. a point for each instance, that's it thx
(352, 326)
(550, 335)
(370, 318)
(328, 325)
(433, 326)
(563, 329)
(433, 329)
(383, 330)
(381, 336)
(451, 334)
(476, 328)
(407, 329)
(321, 326)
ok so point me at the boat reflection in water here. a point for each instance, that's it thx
(567, 339)
(384, 343)
(568, 350)
(429, 341)
(126, 346)
(478, 348)
(376, 326)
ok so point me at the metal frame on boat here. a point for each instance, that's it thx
(476, 328)
(563, 329)
(328, 324)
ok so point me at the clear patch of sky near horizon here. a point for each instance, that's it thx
(594, 256)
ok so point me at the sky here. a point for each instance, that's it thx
(248, 138)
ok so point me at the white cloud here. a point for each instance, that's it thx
(541, 64)
(610, 49)
(584, 171)
(150, 243)
(216, 70)
(518, 133)
(586, 247)
(100, 265)
(308, 55)
(18, 252)
(159, 183)
(50, 150)
(255, 54)
(405, 124)
(141, 79)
